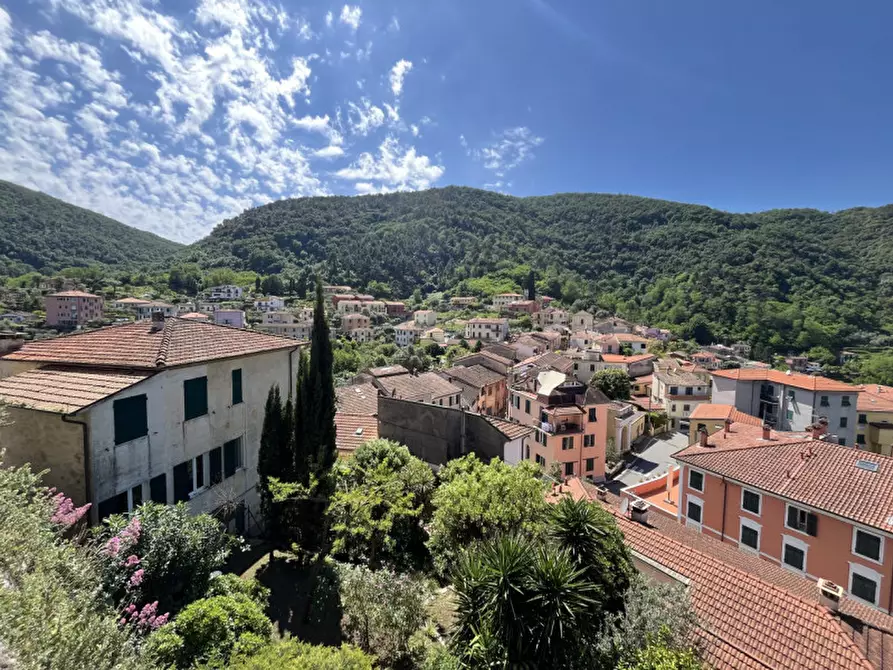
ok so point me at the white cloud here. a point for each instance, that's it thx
(331, 151)
(394, 25)
(393, 169)
(351, 15)
(393, 113)
(398, 74)
(5, 36)
(329, 19)
(414, 129)
(365, 117)
(507, 151)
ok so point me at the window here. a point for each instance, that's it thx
(114, 505)
(686, 408)
(750, 535)
(215, 466)
(527, 406)
(576, 366)
(237, 386)
(592, 414)
(792, 395)
(789, 414)
(592, 367)
(567, 443)
(590, 464)
(824, 401)
(232, 457)
(863, 418)
(568, 469)
(750, 501)
(158, 489)
(195, 397)
(189, 477)
(540, 460)
(696, 480)
(864, 583)
(841, 441)
(688, 390)
(860, 439)
(136, 496)
(131, 418)
(843, 422)
(794, 553)
(694, 510)
(589, 440)
(844, 401)
(801, 520)
(674, 390)
(868, 545)
(451, 401)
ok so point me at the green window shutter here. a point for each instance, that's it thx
(130, 418)
(237, 386)
(195, 397)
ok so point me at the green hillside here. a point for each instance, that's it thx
(782, 278)
(39, 232)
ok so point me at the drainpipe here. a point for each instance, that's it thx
(725, 490)
(890, 596)
(88, 476)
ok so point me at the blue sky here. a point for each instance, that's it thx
(173, 115)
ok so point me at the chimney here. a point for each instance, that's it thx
(639, 511)
(702, 437)
(157, 321)
(818, 429)
(727, 426)
(830, 594)
(767, 431)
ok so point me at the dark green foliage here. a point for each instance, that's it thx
(613, 382)
(779, 279)
(531, 286)
(38, 232)
(290, 654)
(319, 397)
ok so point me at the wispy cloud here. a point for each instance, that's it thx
(398, 74)
(506, 151)
(351, 15)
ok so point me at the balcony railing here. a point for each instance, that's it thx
(561, 428)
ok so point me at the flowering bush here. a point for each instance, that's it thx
(65, 513)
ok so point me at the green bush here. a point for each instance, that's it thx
(210, 630)
(293, 655)
(232, 585)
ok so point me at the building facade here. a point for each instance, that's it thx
(406, 334)
(874, 425)
(491, 330)
(69, 309)
(225, 293)
(235, 318)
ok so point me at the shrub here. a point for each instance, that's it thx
(232, 585)
(293, 655)
(210, 630)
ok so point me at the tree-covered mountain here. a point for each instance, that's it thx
(780, 279)
(39, 232)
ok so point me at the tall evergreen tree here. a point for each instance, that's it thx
(270, 459)
(531, 285)
(319, 412)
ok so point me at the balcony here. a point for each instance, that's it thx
(565, 428)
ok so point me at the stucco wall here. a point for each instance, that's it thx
(47, 443)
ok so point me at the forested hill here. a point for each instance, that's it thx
(39, 232)
(796, 278)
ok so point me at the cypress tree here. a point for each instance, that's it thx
(531, 285)
(269, 459)
(319, 411)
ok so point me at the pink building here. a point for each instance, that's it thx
(72, 308)
(570, 420)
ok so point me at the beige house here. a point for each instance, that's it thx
(582, 320)
(425, 317)
(406, 334)
(503, 300)
(679, 391)
(168, 410)
(351, 322)
(286, 324)
(494, 330)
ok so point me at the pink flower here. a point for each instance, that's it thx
(66, 514)
(161, 620)
(132, 560)
(123, 621)
(137, 577)
(112, 547)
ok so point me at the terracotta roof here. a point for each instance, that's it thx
(474, 375)
(709, 411)
(571, 410)
(875, 398)
(351, 430)
(679, 377)
(745, 622)
(812, 472)
(195, 315)
(357, 399)
(510, 429)
(408, 325)
(136, 346)
(486, 321)
(624, 337)
(72, 294)
(549, 360)
(424, 386)
(64, 390)
(617, 358)
(132, 301)
(743, 436)
(491, 351)
(796, 379)
(388, 371)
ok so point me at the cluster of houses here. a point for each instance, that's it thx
(777, 513)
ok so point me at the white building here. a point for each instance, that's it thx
(270, 303)
(407, 333)
(361, 334)
(502, 300)
(352, 306)
(495, 330)
(790, 401)
(377, 307)
(225, 293)
(147, 310)
(425, 317)
(168, 410)
(234, 318)
(582, 320)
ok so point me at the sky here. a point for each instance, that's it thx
(173, 115)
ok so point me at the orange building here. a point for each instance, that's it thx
(817, 509)
(483, 390)
(571, 422)
(72, 308)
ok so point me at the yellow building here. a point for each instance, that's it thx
(874, 426)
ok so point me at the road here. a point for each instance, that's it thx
(653, 460)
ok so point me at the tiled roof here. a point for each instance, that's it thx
(625, 337)
(617, 358)
(745, 622)
(796, 379)
(64, 390)
(357, 399)
(424, 386)
(875, 398)
(409, 325)
(72, 294)
(679, 376)
(812, 472)
(131, 301)
(136, 346)
(744, 436)
(388, 371)
(709, 411)
(200, 316)
(474, 375)
(351, 430)
(510, 429)
(487, 321)
(491, 351)
(549, 360)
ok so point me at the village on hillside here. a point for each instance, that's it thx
(765, 488)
